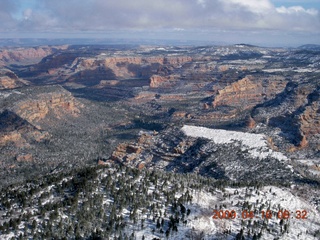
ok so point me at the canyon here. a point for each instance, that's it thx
(90, 132)
(149, 88)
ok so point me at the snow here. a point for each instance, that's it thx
(257, 143)
(8, 236)
(5, 95)
(230, 198)
(312, 164)
(17, 92)
(287, 200)
(299, 70)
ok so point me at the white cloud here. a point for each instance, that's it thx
(103, 15)
(202, 3)
(252, 5)
(297, 10)
(27, 13)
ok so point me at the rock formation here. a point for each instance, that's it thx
(44, 100)
(309, 119)
(250, 122)
(26, 55)
(161, 81)
(295, 111)
(9, 80)
(249, 91)
(17, 131)
(124, 67)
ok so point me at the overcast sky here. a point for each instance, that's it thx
(262, 22)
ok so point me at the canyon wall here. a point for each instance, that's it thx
(9, 80)
(249, 91)
(26, 55)
(45, 100)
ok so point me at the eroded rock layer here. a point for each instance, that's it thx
(9, 80)
(26, 55)
(249, 91)
(35, 103)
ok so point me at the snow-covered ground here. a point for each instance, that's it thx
(312, 164)
(200, 220)
(299, 70)
(256, 143)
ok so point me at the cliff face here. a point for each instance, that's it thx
(112, 68)
(55, 101)
(162, 81)
(34, 104)
(295, 110)
(9, 80)
(17, 131)
(249, 91)
(26, 55)
(25, 116)
(309, 120)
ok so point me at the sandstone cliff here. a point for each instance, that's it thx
(19, 132)
(249, 91)
(309, 119)
(26, 55)
(295, 111)
(124, 67)
(27, 114)
(37, 103)
(162, 81)
(9, 80)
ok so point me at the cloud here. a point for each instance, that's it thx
(296, 10)
(108, 15)
(27, 13)
(7, 8)
(252, 5)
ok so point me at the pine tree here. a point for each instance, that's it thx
(158, 223)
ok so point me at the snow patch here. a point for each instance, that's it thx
(257, 143)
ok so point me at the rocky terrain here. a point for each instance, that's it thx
(9, 80)
(273, 91)
(120, 202)
(235, 113)
(23, 55)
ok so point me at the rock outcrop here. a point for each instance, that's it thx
(124, 67)
(19, 132)
(309, 119)
(249, 91)
(161, 81)
(42, 101)
(295, 111)
(34, 104)
(250, 122)
(9, 80)
(26, 55)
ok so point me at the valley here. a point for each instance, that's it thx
(211, 125)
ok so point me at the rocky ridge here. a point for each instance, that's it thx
(25, 115)
(247, 88)
(9, 80)
(35, 103)
(249, 91)
(26, 55)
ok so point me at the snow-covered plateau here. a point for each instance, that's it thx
(256, 143)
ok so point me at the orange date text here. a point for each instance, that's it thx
(267, 214)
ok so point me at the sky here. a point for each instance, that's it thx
(259, 22)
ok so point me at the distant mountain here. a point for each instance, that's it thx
(246, 45)
(310, 47)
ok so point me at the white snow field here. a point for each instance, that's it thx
(256, 143)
